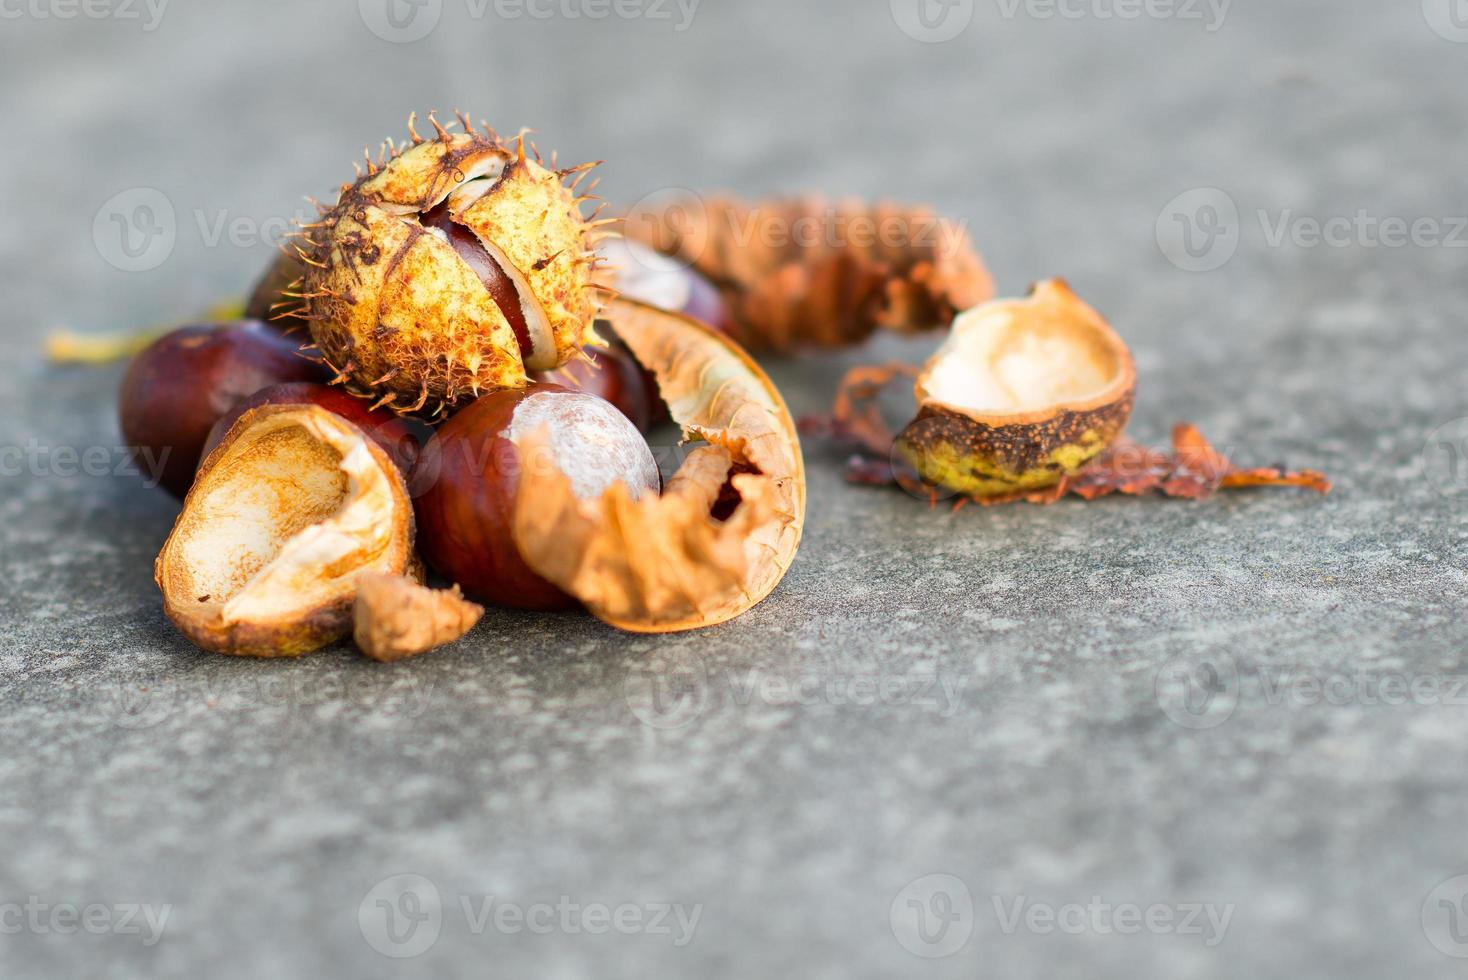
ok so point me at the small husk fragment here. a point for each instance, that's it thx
(807, 273)
(284, 515)
(1021, 394)
(396, 618)
(728, 523)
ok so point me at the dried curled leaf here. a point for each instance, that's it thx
(287, 512)
(396, 618)
(803, 273)
(726, 527)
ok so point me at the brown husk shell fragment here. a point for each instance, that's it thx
(1022, 393)
(729, 521)
(395, 618)
(804, 273)
(285, 513)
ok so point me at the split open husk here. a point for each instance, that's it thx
(394, 306)
(1021, 394)
(291, 507)
(682, 560)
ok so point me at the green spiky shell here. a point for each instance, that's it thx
(400, 316)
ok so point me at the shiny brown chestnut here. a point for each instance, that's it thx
(184, 382)
(399, 437)
(469, 473)
(611, 373)
(667, 283)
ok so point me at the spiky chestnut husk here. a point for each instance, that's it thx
(450, 267)
(1021, 394)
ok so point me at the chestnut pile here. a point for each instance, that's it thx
(441, 366)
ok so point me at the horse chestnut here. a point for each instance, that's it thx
(396, 435)
(611, 373)
(472, 469)
(184, 382)
(667, 283)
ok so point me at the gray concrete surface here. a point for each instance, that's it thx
(1088, 705)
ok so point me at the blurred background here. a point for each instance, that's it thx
(1266, 200)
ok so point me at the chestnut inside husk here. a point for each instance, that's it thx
(725, 529)
(474, 466)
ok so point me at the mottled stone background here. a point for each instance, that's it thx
(1110, 703)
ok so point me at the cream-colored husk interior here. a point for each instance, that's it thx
(1006, 358)
(284, 521)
